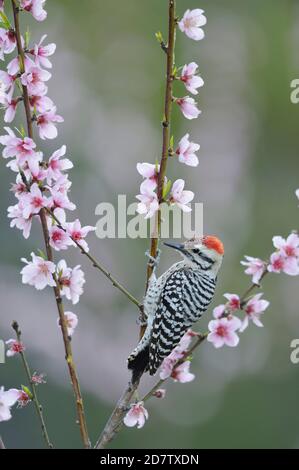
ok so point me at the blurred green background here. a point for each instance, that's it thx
(108, 83)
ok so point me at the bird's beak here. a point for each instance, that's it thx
(176, 246)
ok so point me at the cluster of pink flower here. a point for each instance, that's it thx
(223, 330)
(40, 183)
(191, 24)
(21, 397)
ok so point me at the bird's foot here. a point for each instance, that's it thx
(153, 261)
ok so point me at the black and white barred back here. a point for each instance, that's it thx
(173, 303)
(185, 297)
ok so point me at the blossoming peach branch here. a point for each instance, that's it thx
(32, 198)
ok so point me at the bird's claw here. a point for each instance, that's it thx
(153, 261)
(141, 321)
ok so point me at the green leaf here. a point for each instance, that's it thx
(41, 254)
(174, 70)
(166, 189)
(26, 390)
(171, 142)
(5, 20)
(159, 36)
(22, 132)
(27, 39)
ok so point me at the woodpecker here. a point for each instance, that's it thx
(176, 300)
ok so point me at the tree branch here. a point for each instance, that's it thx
(166, 124)
(115, 421)
(42, 214)
(33, 390)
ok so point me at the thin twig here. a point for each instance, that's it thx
(33, 390)
(96, 264)
(42, 214)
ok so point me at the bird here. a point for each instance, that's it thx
(176, 300)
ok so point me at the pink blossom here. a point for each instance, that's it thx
(148, 204)
(288, 247)
(10, 105)
(219, 311)
(22, 148)
(190, 79)
(181, 373)
(169, 363)
(18, 188)
(7, 81)
(180, 197)
(188, 107)
(38, 379)
(59, 194)
(41, 103)
(191, 24)
(223, 331)
(71, 281)
(137, 415)
(185, 341)
(30, 166)
(286, 258)
(7, 400)
(13, 67)
(177, 353)
(15, 347)
(41, 53)
(38, 272)
(7, 42)
(16, 214)
(255, 268)
(46, 126)
(233, 301)
(71, 321)
(78, 233)
(59, 199)
(57, 165)
(253, 309)
(58, 239)
(150, 172)
(35, 7)
(62, 185)
(34, 79)
(186, 151)
(160, 393)
(34, 170)
(279, 262)
(34, 201)
(23, 399)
